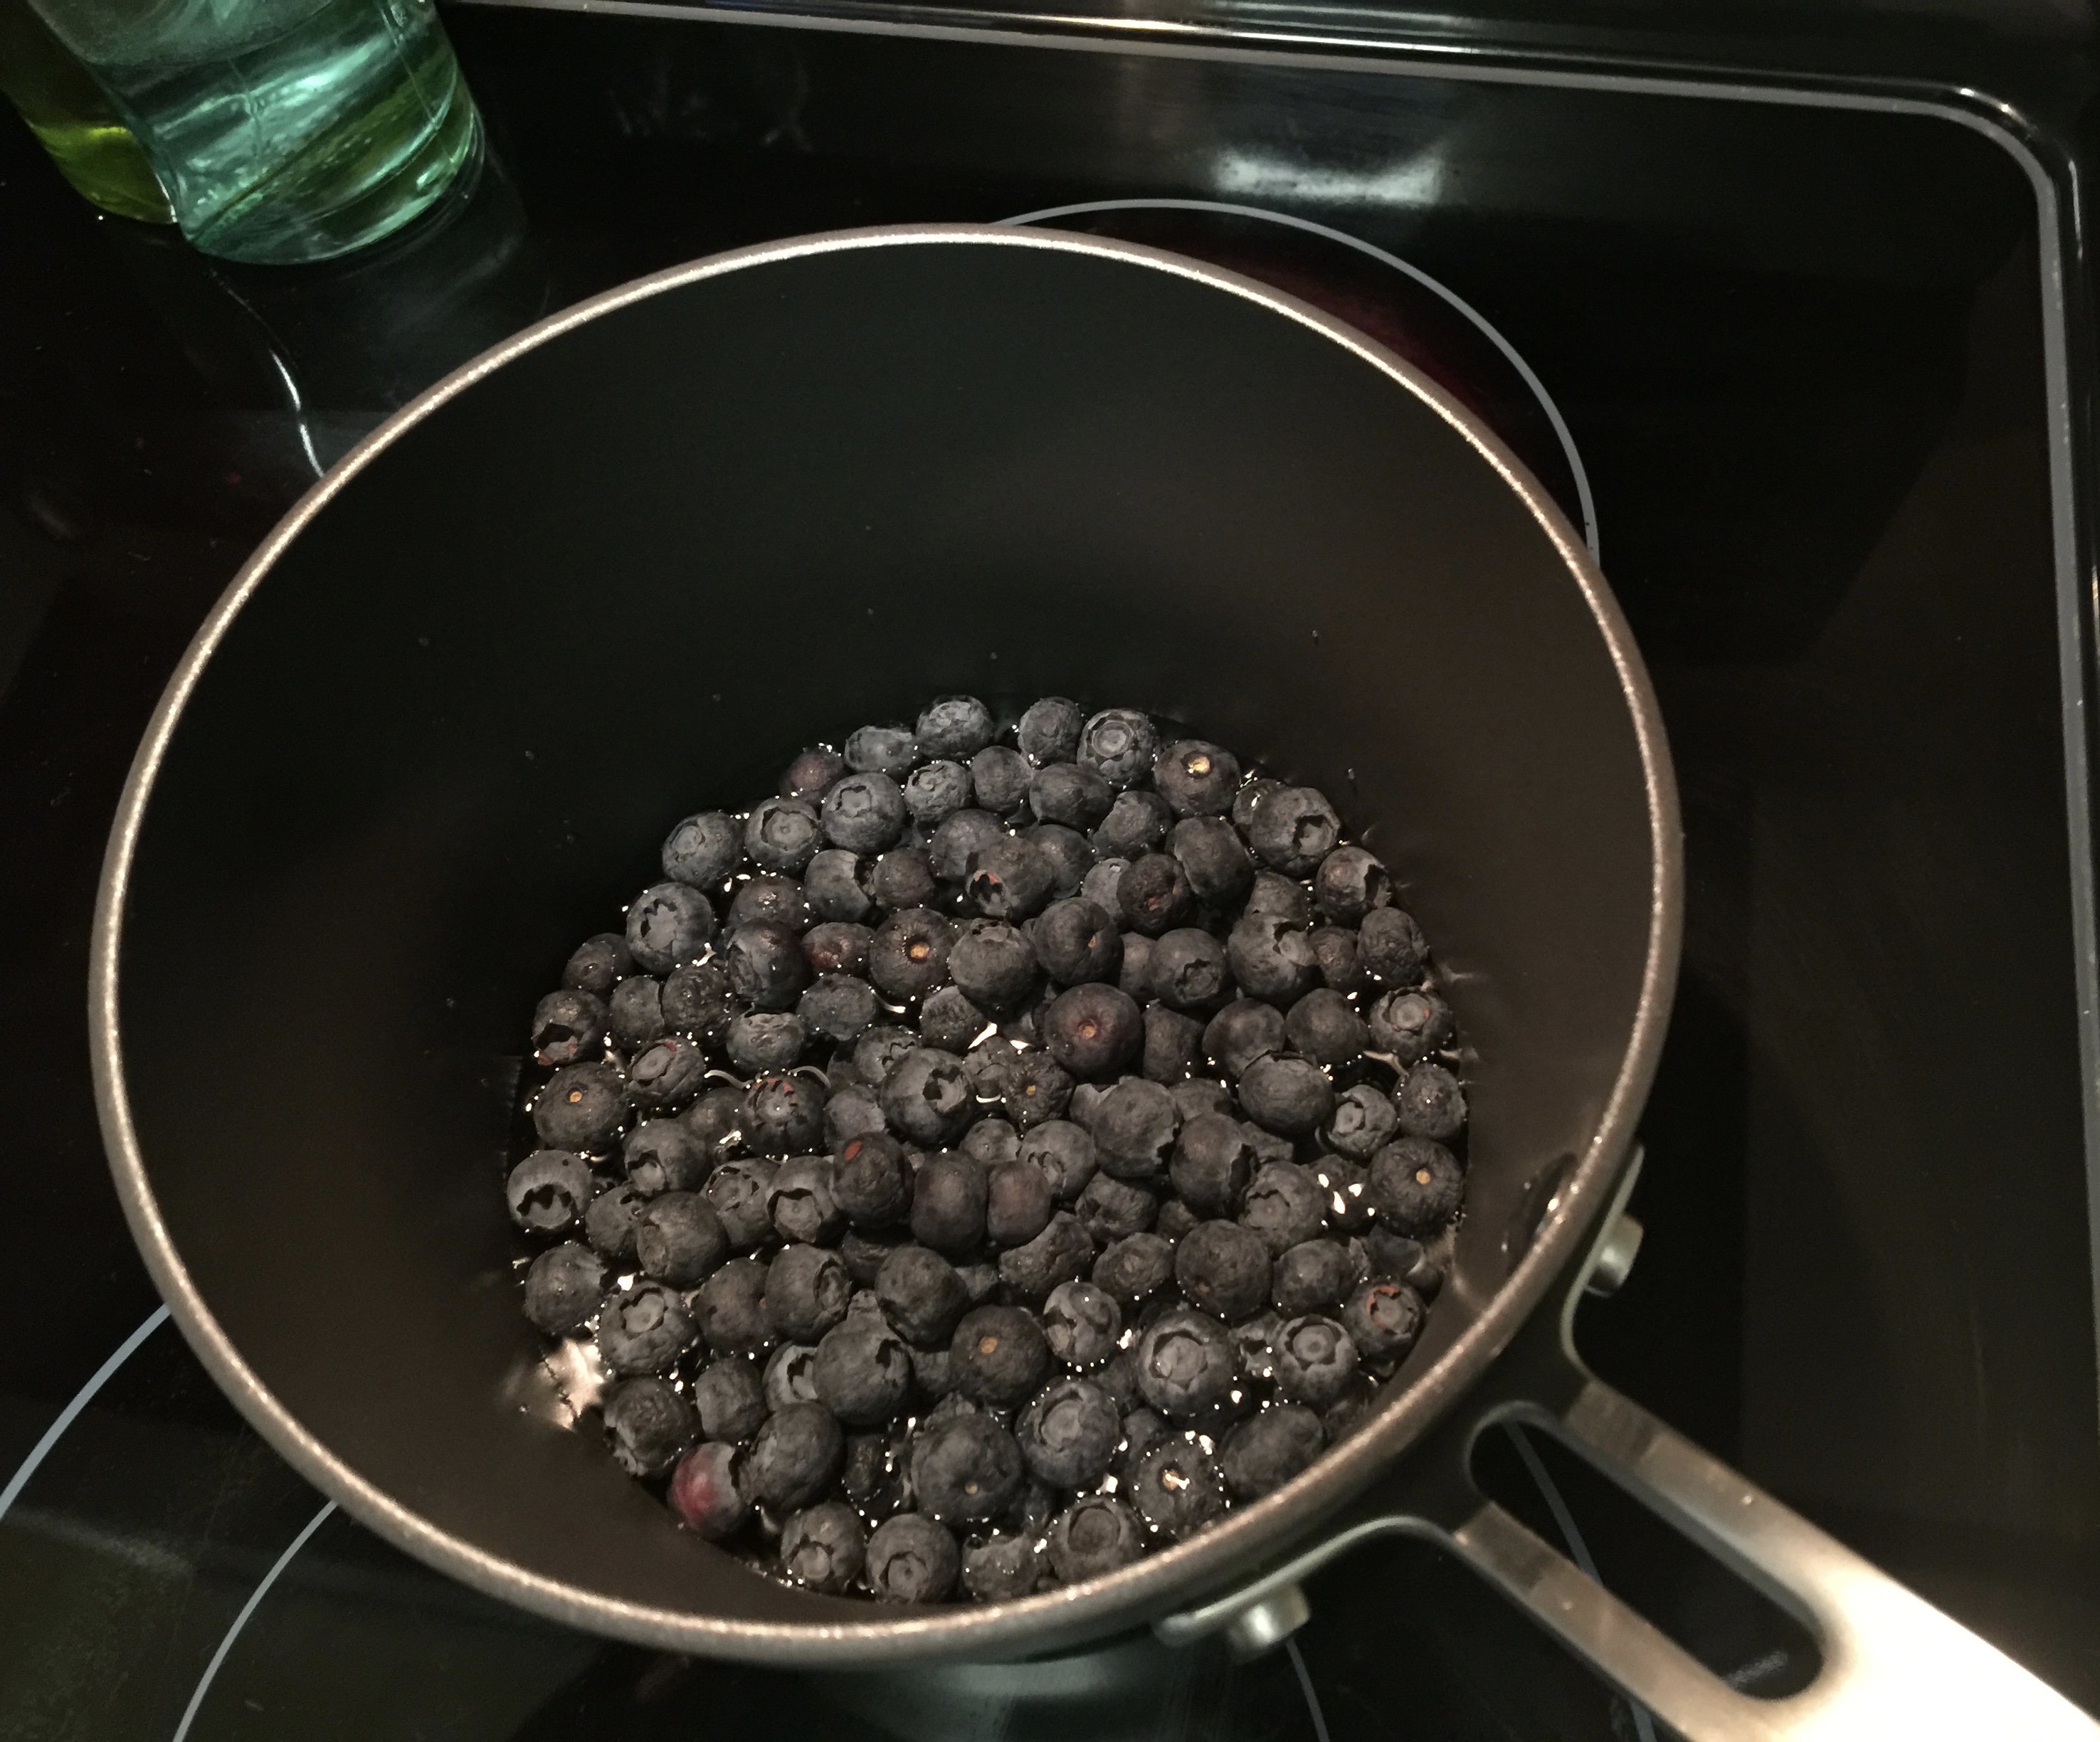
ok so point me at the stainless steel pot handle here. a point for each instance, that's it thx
(1893, 1665)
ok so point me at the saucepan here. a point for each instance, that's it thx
(623, 567)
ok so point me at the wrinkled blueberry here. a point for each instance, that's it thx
(909, 955)
(877, 1051)
(784, 1113)
(1291, 1097)
(1082, 1323)
(882, 749)
(800, 1202)
(1277, 897)
(1266, 1451)
(928, 1098)
(737, 1189)
(705, 850)
(965, 1469)
(903, 877)
(1109, 1208)
(998, 778)
(921, 1294)
(957, 726)
(811, 773)
(1223, 1268)
(696, 1000)
(1383, 1318)
(549, 1191)
(770, 899)
(806, 1291)
(611, 1222)
(992, 1141)
(1017, 1203)
(824, 1546)
(730, 1308)
(1155, 895)
(644, 1329)
(1049, 730)
(1176, 1488)
(993, 964)
(1068, 793)
(765, 1040)
(730, 1399)
(1341, 960)
(1173, 1044)
(837, 885)
(1392, 946)
(1134, 1130)
(957, 839)
(1199, 1095)
(1416, 1185)
(872, 1180)
(1184, 1362)
(567, 1026)
(1315, 1360)
(1038, 1089)
(667, 1072)
(1119, 744)
(635, 1014)
(1213, 859)
(852, 1109)
(765, 964)
(1294, 829)
(1000, 1355)
(1062, 1253)
(1137, 823)
(1271, 958)
(679, 1239)
(1069, 853)
(839, 1008)
(1349, 884)
(1003, 1568)
(581, 1108)
(1094, 1536)
(990, 1067)
(934, 791)
(794, 1458)
(788, 1376)
(1092, 1030)
(1211, 1164)
(864, 1252)
(1431, 1104)
(1189, 969)
(1312, 1276)
(1363, 1121)
(1134, 1268)
(864, 813)
(863, 1371)
(705, 1491)
(1409, 1024)
(911, 1558)
(1063, 1154)
(1283, 1206)
(1174, 1219)
(597, 964)
(563, 1287)
(1254, 1340)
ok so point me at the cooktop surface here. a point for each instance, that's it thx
(1800, 365)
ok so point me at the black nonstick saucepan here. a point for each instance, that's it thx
(621, 568)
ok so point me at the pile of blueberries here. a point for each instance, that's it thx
(994, 1155)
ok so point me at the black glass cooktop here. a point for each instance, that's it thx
(1804, 367)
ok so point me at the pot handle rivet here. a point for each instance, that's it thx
(1262, 1626)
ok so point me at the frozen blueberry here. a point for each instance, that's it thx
(730, 1308)
(838, 1007)
(1291, 1097)
(965, 1469)
(679, 1239)
(1349, 884)
(765, 964)
(549, 1191)
(1095, 1535)
(635, 1014)
(806, 1291)
(824, 1546)
(1176, 1488)
(1247, 800)
(799, 1200)
(1197, 779)
(1081, 1323)
(992, 1141)
(864, 813)
(911, 1558)
(1393, 946)
(1407, 1024)
(1294, 829)
(1019, 1203)
(1242, 1032)
(1174, 1219)
(1277, 897)
(1184, 1362)
(1223, 1268)
(667, 1072)
(980, 1279)
(1325, 1027)
(1383, 1318)
(568, 1025)
(1283, 1206)
(882, 749)
(1315, 1360)
(1271, 958)
(1199, 1095)
(1137, 823)
(902, 877)
(836, 885)
(909, 955)
(998, 778)
(1189, 969)
(1118, 1378)
(934, 1372)
(769, 899)
(1266, 1450)
(703, 850)
(1416, 1185)
(837, 946)
(811, 773)
(863, 1371)
(1069, 1433)
(1063, 1154)
(1062, 1253)
(794, 1458)
(851, 1110)
(597, 964)
(1254, 1340)
(1345, 1192)
(934, 791)
(1069, 794)
(957, 726)
(644, 1329)
(611, 1222)
(864, 1252)
(789, 1376)
(1364, 1121)
(1109, 1209)
(1068, 853)
(872, 1478)
(1119, 744)
(1077, 942)
(1173, 1045)
(877, 1051)
(993, 964)
(1003, 1567)
(737, 1189)
(1213, 859)
(784, 1113)
(1313, 1276)
(871, 1181)
(927, 1098)
(582, 1107)
(1134, 1268)
(921, 1294)
(783, 834)
(563, 1287)
(1092, 1030)
(1000, 1355)
(1103, 884)
(1211, 1164)
(1038, 1089)
(991, 1067)
(1155, 895)
(1431, 1104)
(1336, 949)
(1049, 730)
(697, 1000)
(1134, 1130)
(705, 1491)
(730, 1399)
(1400, 1257)
(1135, 977)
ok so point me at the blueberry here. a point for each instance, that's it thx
(1315, 1360)
(769, 899)
(993, 964)
(1173, 1045)
(1155, 895)
(1199, 1095)
(679, 1239)
(597, 964)
(737, 1189)
(806, 1291)
(1103, 884)
(1062, 1253)
(965, 1469)
(957, 726)
(1093, 1536)
(1177, 1489)
(1000, 1355)
(903, 877)
(1291, 1097)
(1069, 794)
(864, 813)
(567, 1026)
(1325, 1027)
(1017, 1204)
(765, 964)
(1211, 1164)
(703, 851)
(1400, 1258)
(1135, 1129)
(909, 956)
(1345, 1194)
(1119, 744)
(992, 1141)
(912, 1559)
(1134, 978)
(1003, 1568)
(1069, 853)
(824, 1546)
(1069, 1433)
(1136, 823)
(882, 749)
(1312, 1276)
(563, 1287)
(1184, 1362)
(921, 1294)
(1118, 1378)
(948, 1203)
(928, 1098)
(838, 1007)
(1093, 1030)
(1280, 897)
(1213, 859)
(730, 1399)
(864, 1254)
(998, 778)
(800, 1202)
(1196, 778)
(934, 1372)
(635, 1014)
(1063, 1154)
(863, 1371)
(696, 1000)
(1341, 961)
(783, 834)
(934, 791)
(1081, 1323)
(1271, 958)
(837, 885)
(788, 1376)
(644, 1329)
(1109, 1208)
(705, 1492)
(877, 1052)
(1383, 1318)
(1223, 1268)
(1349, 884)
(1174, 1219)
(794, 1458)
(1189, 969)
(838, 946)
(812, 773)
(1294, 829)
(1363, 1121)
(1242, 1032)
(730, 1308)
(611, 1222)
(1407, 1024)
(1077, 942)
(990, 1067)
(871, 1181)
(1283, 1206)
(1416, 1185)
(1248, 800)
(1393, 946)
(1143, 1429)
(959, 840)
(872, 1479)
(549, 1191)
(1134, 1268)
(1049, 730)
(582, 1107)
(1038, 1089)
(851, 1110)
(1269, 1147)
(667, 1072)
(1263, 1452)
(784, 1113)
(1431, 1104)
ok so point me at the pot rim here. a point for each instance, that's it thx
(1159, 1582)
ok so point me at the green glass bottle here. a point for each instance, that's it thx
(66, 109)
